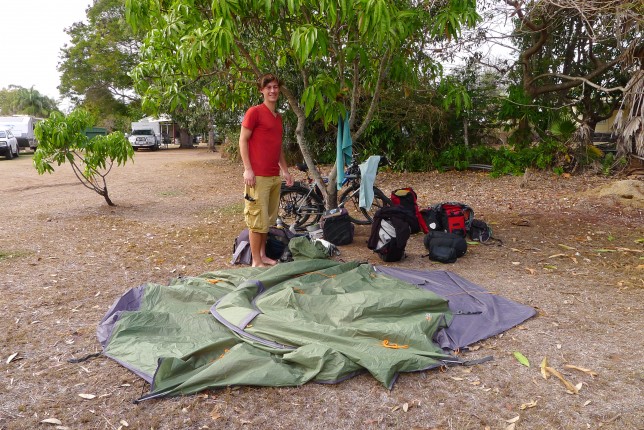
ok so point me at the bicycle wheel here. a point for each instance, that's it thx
(350, 200)
(299, 207)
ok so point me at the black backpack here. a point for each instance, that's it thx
(390, 232)
(337, 227)
(481, 232)
(444, 247)
(276, 246)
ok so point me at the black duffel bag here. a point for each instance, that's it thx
(337, 227)
(444, 247)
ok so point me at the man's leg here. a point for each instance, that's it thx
(256, 240)
(256, 212)
(258, 249)
(266, 260)
(272, 187)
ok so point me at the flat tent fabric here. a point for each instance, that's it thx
(308, 320)
(477, 314)
(343, 148)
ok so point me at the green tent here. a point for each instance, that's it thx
(310, 320)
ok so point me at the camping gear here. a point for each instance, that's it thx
(390, 232)
(453, 217)
(481, 232)
(444, 247)
(431, 218)
(309, 320)
(315, 231)
(276, 246)
(303, 247)
(477, 314)
(407, 198)
(337, 227)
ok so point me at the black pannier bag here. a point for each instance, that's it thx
(431, 216)
(276, 246)
(390, 232)
(337, 227)
(444, 247)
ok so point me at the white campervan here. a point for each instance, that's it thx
(22, 127)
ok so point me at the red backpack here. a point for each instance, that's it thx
(452, 217)
(406, 197)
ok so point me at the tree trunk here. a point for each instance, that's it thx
(185, 140)
(211, 134)
(304, 147)
(466, 137)
(107, 197)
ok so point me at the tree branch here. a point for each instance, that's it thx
(376, 94)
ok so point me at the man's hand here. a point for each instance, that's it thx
(249, 177)
(288, 178)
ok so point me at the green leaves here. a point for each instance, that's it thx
(455, 95)
(64, 140)
(450, 19)
(308, 42)
(327, 52)
(374, 19)
(521, 358)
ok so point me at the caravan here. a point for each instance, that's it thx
(22, 127)
(151, 133)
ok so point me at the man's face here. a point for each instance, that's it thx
(271, 91)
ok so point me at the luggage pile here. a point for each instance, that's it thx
(446, 227)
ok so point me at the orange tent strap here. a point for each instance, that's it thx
(390, 345)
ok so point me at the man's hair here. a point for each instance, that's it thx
(267, 79)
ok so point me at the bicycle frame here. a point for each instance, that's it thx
(304, 201)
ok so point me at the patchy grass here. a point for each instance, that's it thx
(13, 254)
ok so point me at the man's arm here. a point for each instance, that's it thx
(249, 175)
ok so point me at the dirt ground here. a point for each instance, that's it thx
(65, 256)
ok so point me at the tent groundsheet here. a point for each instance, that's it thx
(308, 320)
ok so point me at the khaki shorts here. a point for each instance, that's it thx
(261, 213)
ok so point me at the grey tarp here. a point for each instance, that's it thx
(309, 320)
(477, 313)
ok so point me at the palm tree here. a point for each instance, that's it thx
(31, 102)
(630, 119)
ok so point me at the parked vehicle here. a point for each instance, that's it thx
(152, 132)
(22, 127)
(146, 134)
(8, 144)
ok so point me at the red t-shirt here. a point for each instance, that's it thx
(265, 144)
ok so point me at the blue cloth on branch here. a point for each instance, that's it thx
(344, 148)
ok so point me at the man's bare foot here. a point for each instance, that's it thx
(259, 265)
(268, 261)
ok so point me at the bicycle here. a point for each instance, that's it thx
(302, 205)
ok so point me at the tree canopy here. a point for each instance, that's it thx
(334, 57)
(95, 65)
(16, 100)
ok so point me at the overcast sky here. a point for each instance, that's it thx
(31, 34)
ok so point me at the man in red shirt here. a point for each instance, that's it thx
(260, 147)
